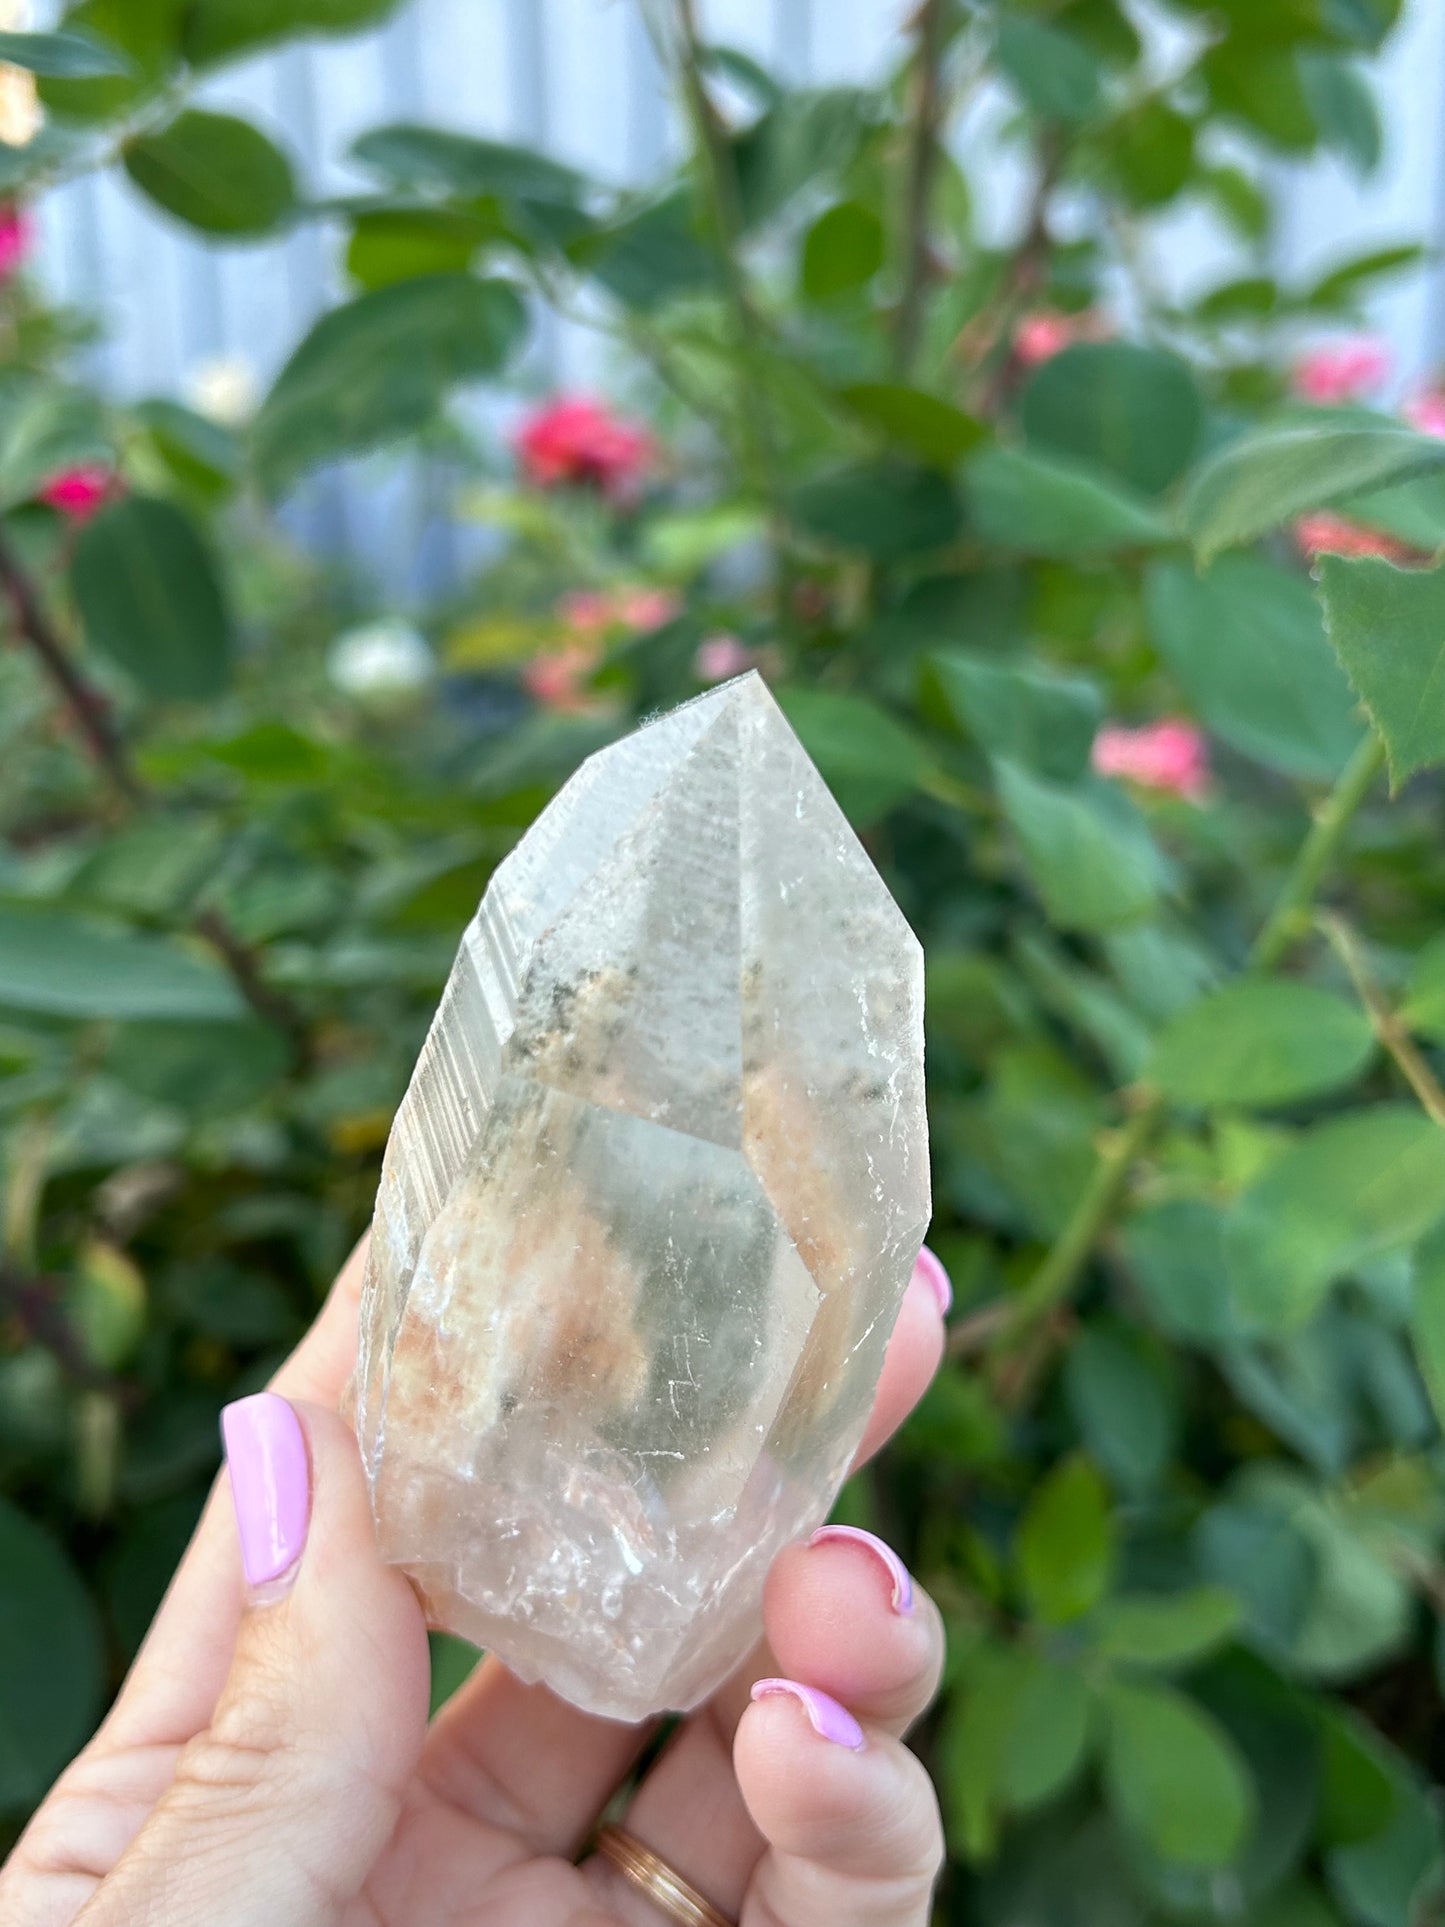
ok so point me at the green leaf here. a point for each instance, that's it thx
(1261, 1042)
(435, 160)
(1388, 629)
(1345, 1191)
(452, 1662)
(868, 759)
(397, 244)
(1175, 1251)
(1263, 88)
(1174, 1777)
(1034, 505)
(46, 426)
(1343, 282)
(914, 421)
(1053, 74)
(1125, 1405)
(807, 137)
(1044, 722)
(842, 251)
(206, 1069)
(1342, 103)
(68, 56)
(1064, 1547)
(1427, 1319)
(72, 967)
(147, 33)
(1423, 1008)
(214, 172)
(1391, 1880)
(1134, 412)
(1164, 1630)
(218, 29)
(1266, 1563)
(650, 256)
(1246, 642)
(51, 1661)
(150, 599)
(883, 509)
(1150, 153)
(380, 367)
(1358, 1793)
(1046, 1735)
(1273, 474)
(202, 454)
(1087, 848)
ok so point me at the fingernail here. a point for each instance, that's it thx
(827, 1717)
(270, 1483)
(929, 1267)
(897, 1572)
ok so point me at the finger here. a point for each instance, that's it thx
(281, 1804)
(517, 1757)
(174, 1682)
(850, 1819)
(842, 1615)
(915, 1351)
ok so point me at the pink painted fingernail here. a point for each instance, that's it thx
(270, 1483)
(827, 1717)
(897, 1572)
(931, 1269)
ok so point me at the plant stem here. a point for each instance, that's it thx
(87, 707)
(922, 160)
(720, 194)
(245, 967)
(1394, 1036)
(91, 714)
(989, 332)
(1291, 915)
(1066, 1259)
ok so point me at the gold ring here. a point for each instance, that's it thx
(664, 1887)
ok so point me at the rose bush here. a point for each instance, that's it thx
(1116, 632)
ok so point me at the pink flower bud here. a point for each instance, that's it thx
(574, 441)
(77, 493)
(1342, 371)
(1169, 755)
(1326, 534)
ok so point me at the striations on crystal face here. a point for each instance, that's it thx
(647, 1213)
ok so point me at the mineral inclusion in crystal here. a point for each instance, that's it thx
(647, 1214)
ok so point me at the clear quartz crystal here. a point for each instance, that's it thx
(647, 1213)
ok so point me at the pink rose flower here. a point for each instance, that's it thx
(643, 610)
(1042, 334)
(1342, 371)
(17, 235)
(1168, 755)
(575, 440)
(555, 679)
(77, 493)
(720, 658)
(1426, 411)
(1326, 534)
(589, 614)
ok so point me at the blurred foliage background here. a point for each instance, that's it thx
(1116, 628)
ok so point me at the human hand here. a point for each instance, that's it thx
(269, 1764)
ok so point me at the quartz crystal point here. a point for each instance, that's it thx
(647, 1214)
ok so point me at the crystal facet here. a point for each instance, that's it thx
(647, 1213)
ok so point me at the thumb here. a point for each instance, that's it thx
(280, 1807)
